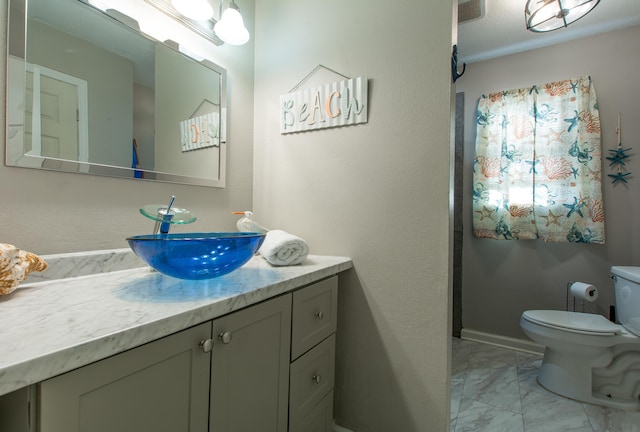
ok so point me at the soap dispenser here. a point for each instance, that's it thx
(248, 224)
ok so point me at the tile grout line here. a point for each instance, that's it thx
(464, 380)
(524, 429)
(464, 383)
(586, 414)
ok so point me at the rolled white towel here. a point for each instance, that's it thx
(283, 249)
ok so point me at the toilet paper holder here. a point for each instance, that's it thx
(581, 290)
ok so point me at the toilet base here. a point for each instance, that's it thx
(599, 369)
(572, 377)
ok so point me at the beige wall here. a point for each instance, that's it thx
(501, 279)
(50, 212)
(109, 80)
(144, 124)
(378, 192)
(179, 98)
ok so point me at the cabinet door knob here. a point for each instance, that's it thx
(316, 378)
(319, 315)
(206, 345)
(225, 337)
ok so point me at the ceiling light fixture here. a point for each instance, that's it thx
(548, 15)
(231, 27)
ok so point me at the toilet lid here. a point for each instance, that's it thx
(573, 321)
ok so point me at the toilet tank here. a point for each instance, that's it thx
(627, 290)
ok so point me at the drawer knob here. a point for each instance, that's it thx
(225, 337)
(319, 315)
(206, 345)
(316, 378)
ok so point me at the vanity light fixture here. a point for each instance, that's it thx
(548, 15)
(231, 27)
(196, 15)
(198, 10)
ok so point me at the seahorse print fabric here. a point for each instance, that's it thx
(537, 170)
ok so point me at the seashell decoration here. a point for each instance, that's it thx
(15, 266)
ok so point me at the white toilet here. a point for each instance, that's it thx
(586, 356)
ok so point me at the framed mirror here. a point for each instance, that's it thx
(88, 93)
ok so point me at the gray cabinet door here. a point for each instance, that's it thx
(250, 368)
(16, 410)
(161, 386)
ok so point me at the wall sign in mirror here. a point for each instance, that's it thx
(89, 94)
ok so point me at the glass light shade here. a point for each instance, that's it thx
(198, 10)
(231, 27)
(548, 15)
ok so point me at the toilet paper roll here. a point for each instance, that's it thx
(584, 291)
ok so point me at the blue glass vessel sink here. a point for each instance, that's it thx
(196, 255)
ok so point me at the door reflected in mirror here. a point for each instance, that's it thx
(89, 94)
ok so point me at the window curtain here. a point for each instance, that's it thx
(537, 170)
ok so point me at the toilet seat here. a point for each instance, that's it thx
(575, 322)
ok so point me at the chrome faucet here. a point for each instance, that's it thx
(165, 216)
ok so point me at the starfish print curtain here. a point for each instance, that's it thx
(537, 169)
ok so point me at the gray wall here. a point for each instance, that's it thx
(377, 192)
(501, 279)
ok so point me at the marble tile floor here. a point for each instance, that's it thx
(494, 389)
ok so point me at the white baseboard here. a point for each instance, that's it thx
(502, 341)
(337, 428)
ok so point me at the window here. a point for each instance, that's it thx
(537, 170)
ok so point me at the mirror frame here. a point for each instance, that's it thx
(17, 22)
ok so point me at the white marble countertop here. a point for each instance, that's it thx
(52, 326)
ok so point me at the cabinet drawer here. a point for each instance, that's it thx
(312, 377)
(320, 419)
(315, 315)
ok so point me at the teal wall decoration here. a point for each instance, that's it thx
(618, 157)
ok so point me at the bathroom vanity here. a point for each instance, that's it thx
(134, 350)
